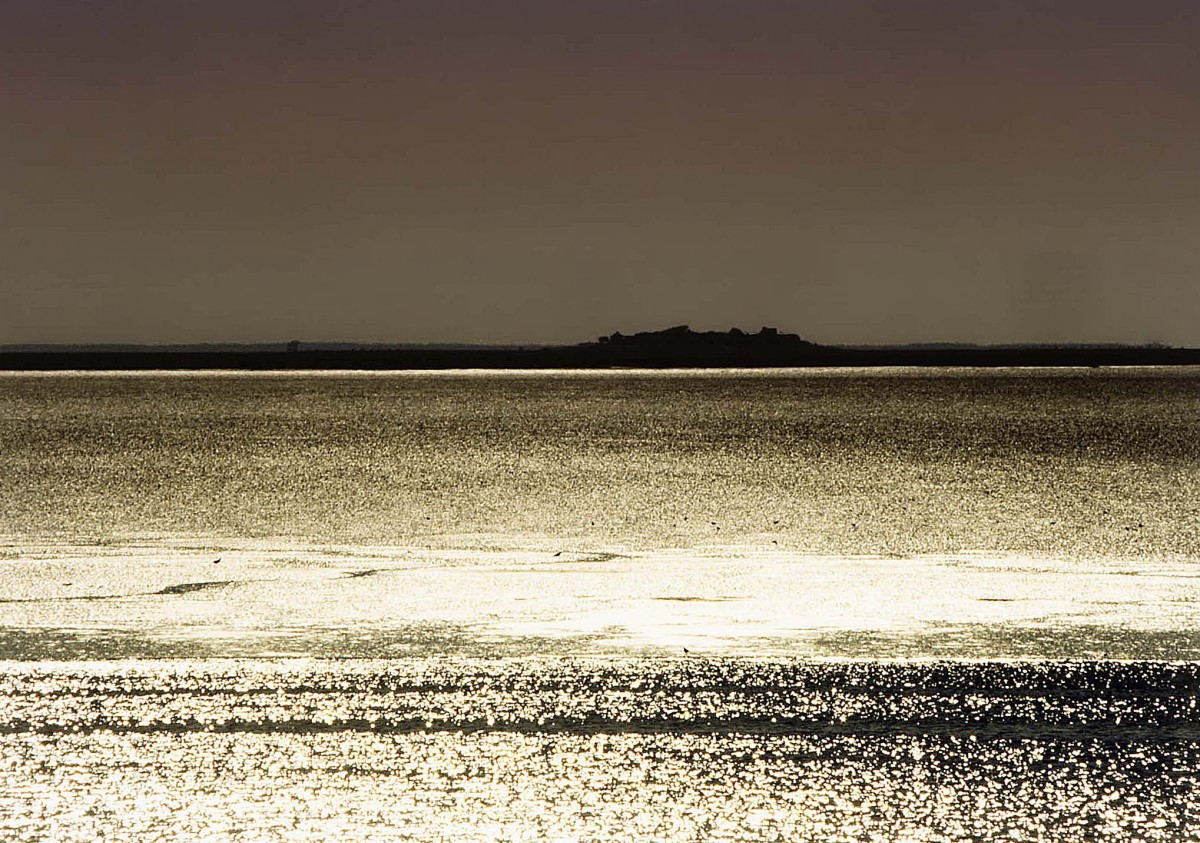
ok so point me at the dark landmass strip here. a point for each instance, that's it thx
(675, 347)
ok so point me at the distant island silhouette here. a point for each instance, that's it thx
(677, 347)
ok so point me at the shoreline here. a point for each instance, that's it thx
(593, 356)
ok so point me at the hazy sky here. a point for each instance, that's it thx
(487, 170)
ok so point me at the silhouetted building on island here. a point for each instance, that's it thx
(682, 336)
(681, 346)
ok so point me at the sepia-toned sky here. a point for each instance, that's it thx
(858, 171)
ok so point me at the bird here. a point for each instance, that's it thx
(686, 651)
(215, 561)
(560, 553)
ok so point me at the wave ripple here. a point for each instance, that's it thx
(1104, 700)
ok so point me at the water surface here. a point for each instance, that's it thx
(785, 605)
(836, 512)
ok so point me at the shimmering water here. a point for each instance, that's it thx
(532, 553)
(570, 750)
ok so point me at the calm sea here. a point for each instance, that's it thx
(766, 605)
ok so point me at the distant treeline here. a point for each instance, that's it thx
(675, 347)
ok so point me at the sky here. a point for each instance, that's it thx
(856, 171)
